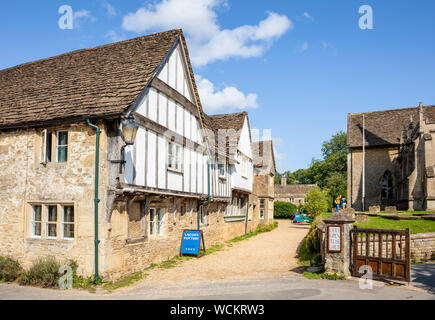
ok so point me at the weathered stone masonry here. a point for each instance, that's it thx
(25, 182)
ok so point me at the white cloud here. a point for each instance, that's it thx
(82, 16)
(207, 41)
(110, 10)
(228, 98)
(308, 16)
(302, 48)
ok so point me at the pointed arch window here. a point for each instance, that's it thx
(387, 186)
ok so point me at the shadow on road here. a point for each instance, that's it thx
(423, 276)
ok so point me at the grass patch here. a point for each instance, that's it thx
(260, 229)
(124, 281)
(326, 214)
(215, 248)
(416, 226)
(322, 275)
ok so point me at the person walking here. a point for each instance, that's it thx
(343, 202)
(337, 203)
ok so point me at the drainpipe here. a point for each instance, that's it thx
(351, 177)
(96, 200)
(246, 218)
(208, 196)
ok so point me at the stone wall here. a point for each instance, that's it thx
(25, 181)
(122, 257)
(423, 246)
(378, 160)
(263, 188)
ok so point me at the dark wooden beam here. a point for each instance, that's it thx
(136, 189)
(169, 134)
(170, 92)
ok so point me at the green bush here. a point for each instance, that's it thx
(309, 253)
(284, 210)
(44, 273)
(316, 201)
(10, 269)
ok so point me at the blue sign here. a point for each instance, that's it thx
(190, 242)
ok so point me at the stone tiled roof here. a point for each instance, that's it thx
(90, 83)
(224, 122)
(385, 127)
(262, 153)
(293, 189)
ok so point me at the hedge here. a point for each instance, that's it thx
(284, 209)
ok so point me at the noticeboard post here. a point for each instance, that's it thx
(192, 243)
(334, 238)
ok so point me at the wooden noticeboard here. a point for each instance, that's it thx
(335, 235)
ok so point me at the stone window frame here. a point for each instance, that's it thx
(48, 223)
(33, 221)
(63, 223)
(390, 189)
(44, 220)
(159, 225)
(264, 203)
(262, 214)
(57, 146)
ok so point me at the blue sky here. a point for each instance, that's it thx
(298, 67)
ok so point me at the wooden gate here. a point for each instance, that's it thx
(387, 252)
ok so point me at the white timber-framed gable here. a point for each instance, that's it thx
(243, 169)
(170, 121)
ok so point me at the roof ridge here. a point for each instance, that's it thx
(388, 110)
(89, 49)
(228, 114)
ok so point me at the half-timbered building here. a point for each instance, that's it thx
(175, 176)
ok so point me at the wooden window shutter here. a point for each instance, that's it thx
(43, 153)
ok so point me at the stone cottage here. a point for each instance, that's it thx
(264, 180)
(159, 169)
(294, 193)
(399, 158)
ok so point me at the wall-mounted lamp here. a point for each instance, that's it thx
(129, 130)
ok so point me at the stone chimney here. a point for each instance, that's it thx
(283, 180)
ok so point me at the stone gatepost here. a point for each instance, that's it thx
(337, 242)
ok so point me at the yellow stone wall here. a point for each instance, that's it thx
(24, 181)
(123, 257)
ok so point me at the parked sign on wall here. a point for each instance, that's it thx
(334, 238)
(191, 242)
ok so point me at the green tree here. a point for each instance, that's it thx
(316, 201)
(335, 145)
(328, 173)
